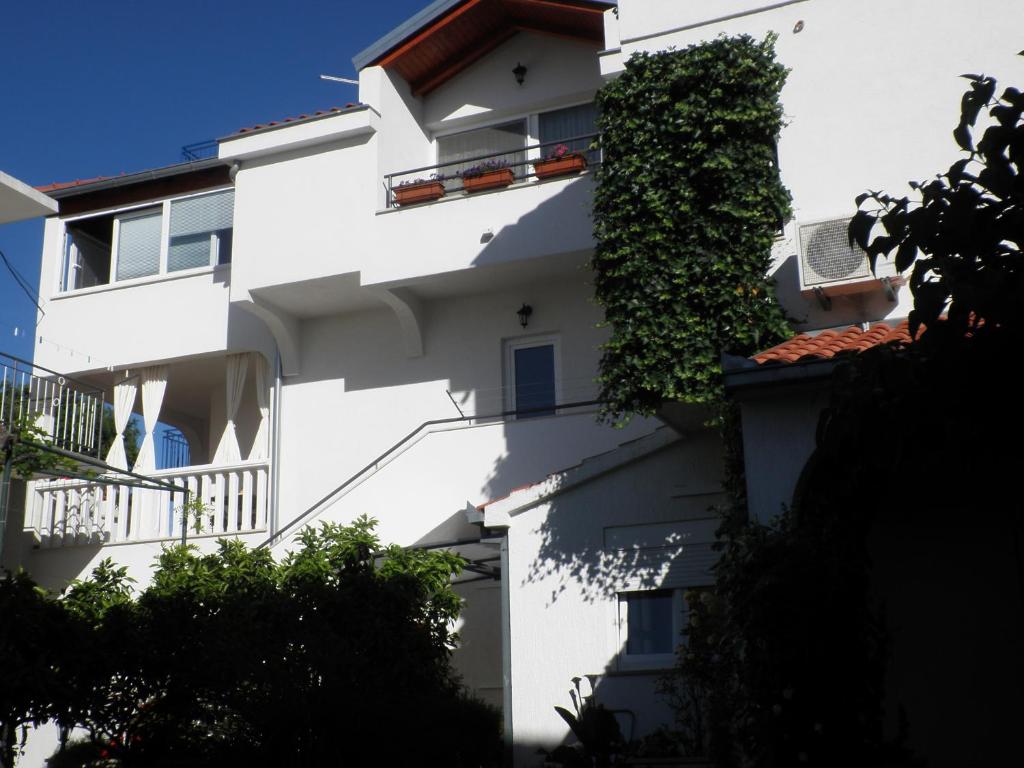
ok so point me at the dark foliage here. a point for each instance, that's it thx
(333, 657)
(785, 662)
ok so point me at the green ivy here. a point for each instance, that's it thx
(687, 204)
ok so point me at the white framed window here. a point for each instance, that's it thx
(184, 233)
(651, 625)
(532, 376)
(137, 239)
(507, 141)
(662, 564)
(567, 125)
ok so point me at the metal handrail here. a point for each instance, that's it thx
(78, 382)
(592, 153)
(200, 150)
(503, 416)
(76, 408)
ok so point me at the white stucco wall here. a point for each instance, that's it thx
(303, 215)
(359, 393)
(779, 429)
(558, 72)
(564, 586)
(872, 97)
(138, 322)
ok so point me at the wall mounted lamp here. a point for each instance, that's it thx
(520, 73)
(524, 314)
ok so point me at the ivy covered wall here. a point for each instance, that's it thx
(687, 205)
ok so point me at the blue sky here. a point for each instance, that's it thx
(97, 88)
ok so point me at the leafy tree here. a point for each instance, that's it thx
(337, 655)
(687, 204)
(33, 634)
(962, 238)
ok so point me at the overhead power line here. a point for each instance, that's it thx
(22, 282)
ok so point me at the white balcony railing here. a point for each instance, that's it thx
(65, 413)
(77, 512)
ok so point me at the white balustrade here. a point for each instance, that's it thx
(234, 501)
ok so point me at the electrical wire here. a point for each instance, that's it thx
(22, 282)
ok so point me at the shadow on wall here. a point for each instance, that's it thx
(640, 525)
(453, 349)
(628, 530)
(21, 548)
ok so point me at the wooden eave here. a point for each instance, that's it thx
(446, 46)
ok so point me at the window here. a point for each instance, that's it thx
(138, 244)
(506, 142)
(564, 125)
(678, 556)
(133, 244)
(652, 624)
(200, 231)
(532, 375)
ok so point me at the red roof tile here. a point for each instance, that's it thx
(58, 185)
(828, 344)
(318, 113)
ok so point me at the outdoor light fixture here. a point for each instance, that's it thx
(519, 72)
(524, 314)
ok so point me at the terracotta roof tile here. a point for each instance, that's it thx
(828, 344)
(58, 185)
(297, 118)
(518, 488)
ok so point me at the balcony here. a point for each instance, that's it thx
(67, 513)
(496, 170)
(522, 229)
(211, 417)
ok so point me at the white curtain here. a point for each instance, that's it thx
(260, 446)
(124, 401)
(154, 384)
(227, 449)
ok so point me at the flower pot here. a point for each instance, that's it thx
(559, 166)
(421, 192)
(500, 177)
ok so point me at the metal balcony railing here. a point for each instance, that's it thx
(174, 450)
(453, 175)
(61, 411)
(200, 150)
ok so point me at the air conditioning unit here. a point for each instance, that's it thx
(830, 264)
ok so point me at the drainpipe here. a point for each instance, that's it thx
(275, 447)
(506, 648)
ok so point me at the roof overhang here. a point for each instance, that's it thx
(498, 513)
(448, 36)
(19, 201)
(333, 126)
(747, 375)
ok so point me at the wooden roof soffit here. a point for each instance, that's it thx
(448, 45)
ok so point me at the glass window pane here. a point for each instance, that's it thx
(649, 628)
(138, 246)
(562, 124)
(535, 380)
(193, 222)
(500, 142)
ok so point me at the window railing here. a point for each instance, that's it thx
(513, 166)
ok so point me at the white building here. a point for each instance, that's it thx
(327, 352)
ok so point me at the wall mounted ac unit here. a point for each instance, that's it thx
(829, 263)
